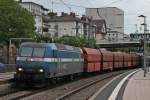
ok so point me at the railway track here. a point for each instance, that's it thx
(76, 94)
(16, 94)
(67, 90)
(13, 93)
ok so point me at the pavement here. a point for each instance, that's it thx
(128, 86)
(138, 87)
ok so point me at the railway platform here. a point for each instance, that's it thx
(130, 86)
(6, 77)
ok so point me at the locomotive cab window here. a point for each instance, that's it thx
(26, 51)
(38, 52)
(30, 51)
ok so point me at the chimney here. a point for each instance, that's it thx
(72, 14)
(83, 18)
(62, 14)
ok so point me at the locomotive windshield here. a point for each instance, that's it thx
(30, 51)
(38, 52)
(26, 51)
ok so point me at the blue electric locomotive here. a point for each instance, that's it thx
(38, 62)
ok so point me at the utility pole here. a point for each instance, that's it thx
(144, 24)
(144, 45)
(145, 57)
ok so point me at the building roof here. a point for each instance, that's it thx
(64, 18)
(117, 32)
(42, 7)
(106, 7)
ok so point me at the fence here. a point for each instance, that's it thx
(8, 58)
(8, 55)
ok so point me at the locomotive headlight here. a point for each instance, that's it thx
(41, 70)
(20, 69)
(31, 59)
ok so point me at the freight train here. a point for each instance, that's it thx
(39, 62)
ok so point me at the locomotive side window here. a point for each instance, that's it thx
(26, 51)
(38, 52)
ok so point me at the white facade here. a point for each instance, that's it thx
(33, 7)
(65, 28)
(37, 11)
(99, 37)
(116, 36)
(69, 24)
(113, 16)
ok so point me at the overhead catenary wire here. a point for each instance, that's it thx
(66, 5)
(51, 2)
(73, 5)
(90, 3)
(113, 2)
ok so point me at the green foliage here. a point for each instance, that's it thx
(76, 41)
(42, 38)
(52, 14)
(15, 21)
(129, 49)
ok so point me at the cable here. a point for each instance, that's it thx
(65, 5)
(79, 6)
(112, 2)
(97, 9)
(90, 2)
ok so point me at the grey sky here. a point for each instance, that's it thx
(132, 8)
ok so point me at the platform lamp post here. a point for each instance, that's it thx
(144, 45)
(145, 57)
(144, 24)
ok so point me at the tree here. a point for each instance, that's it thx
(43, 38)
(15, 21)
(52, 14)
(76, 41)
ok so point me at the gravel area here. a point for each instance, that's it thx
(15, 95)
(6, 88)
(9, 92)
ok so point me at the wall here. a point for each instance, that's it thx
(65, 28)
(37, 13)
(4, 55)
(114, 17)
(116, 36)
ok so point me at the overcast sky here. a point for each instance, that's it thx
(132, 9)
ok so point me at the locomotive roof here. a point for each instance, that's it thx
(54, 46)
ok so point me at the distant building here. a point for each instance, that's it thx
(115, 36)
(37, 11)
(89, 27)
(113, 16)
(140, 36)
(100, 29)
(69, 24)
